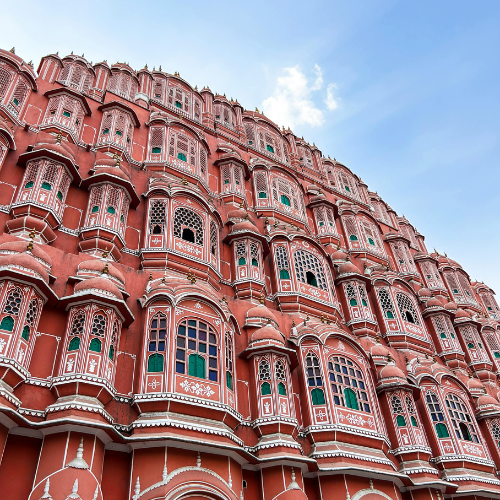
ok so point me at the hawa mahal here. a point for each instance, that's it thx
(196, 304)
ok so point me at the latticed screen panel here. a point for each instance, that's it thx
(264, 370)
(282, 258)
(396, 404)
(305, 262)
(260, 179)
(386, 304)
(13, 302)
(98, 325)
(279, 370)
(186, 218)
(407, 308)
(157, 217)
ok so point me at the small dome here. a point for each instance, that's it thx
(475, 383)
(116, 171)
(318, 197)
(487, 400)
(424, 292)
(99, 284)
(451, 306)
(379, 350)
(98, 266)
(261, 312)
(433, 302)
(391, 371)
(348, 268)
(22, 246)
(58, 147)
(237, 214)
(339, 255)
(461, 314)
(267, 332)
(244, 225)
(26, 261)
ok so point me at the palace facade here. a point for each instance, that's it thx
(195, 303)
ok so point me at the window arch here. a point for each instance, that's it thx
(314, 379)
(214, 238)
(241, 253)
(306, 262)
(261, 187)
(348, 384)
(157, 216)
(282, 263)
(386, 304)
(197, 345)
(460, 419)
(229, 360)
(95, 345)
(114, 339)
(76, 331)
(436, 415)
(411, 410)
(158, 333)
(264, 377)
(5, 80)
(187, 225)
(397, 409)
(30, 319)
(407, 309)
(286, 194)
(13, 302)
(280, 375)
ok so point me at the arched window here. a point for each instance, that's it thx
(95, 345)
(407, 309)
(348, 385)
(260, 183)
(397, 409)
(74, 344)
(98, 326)
(411, 410)
(155, 363)
(495, 431)
(285, 194)
(229, 360)
(188, 226)
(280, 375)
(264, 376)
(197, 344)
(460, 419)
(436, 415)
(213, 238)
(76, 331)
(157, 333)
(114, 337)
(7, 323)
(13, 302)
(385, 301)
(282, 263)
(314, 379)
(241, 253)
(30, 319)
(157, 217)
(309, 269)
(254, 254)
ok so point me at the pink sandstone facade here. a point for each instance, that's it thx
(197, 304)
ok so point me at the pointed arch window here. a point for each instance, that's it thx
(460, 419)
(229, 360)
(436, 415)
(348, 384)
(264, 377)
(314, 379)
(282, 263)
(197, 345)
(158, 333)
(157, 216)
(411, 410)
(407, 309)
(188, 226)
(309, 269)
(386, 304)
(280, 375)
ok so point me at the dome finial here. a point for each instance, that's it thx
(79, 462)
(13, 50)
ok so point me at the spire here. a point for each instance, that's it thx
(293, 484)
(164, 474)
(46, 494)
(74, 492)
(137, 488)
(13, 50)
(79, 462)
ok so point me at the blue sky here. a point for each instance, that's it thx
(404, 93)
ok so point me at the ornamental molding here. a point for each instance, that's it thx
(91, 408)
(197, 388)
(355, 456)
(350, 430)
(169, 396)
(86, 378)
(457, 457)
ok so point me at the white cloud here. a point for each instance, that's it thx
(331, 101)
(292, 104)
(318, 84)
